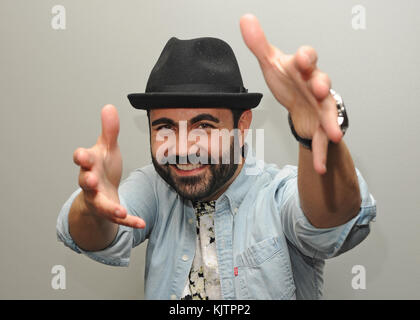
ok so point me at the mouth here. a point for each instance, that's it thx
(188, 169)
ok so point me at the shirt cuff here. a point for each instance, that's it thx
(331, 242)
(116, 254)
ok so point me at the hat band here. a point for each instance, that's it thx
(197, 87)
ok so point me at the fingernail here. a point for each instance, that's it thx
(139, 225)
(119, 214)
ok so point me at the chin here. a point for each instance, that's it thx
(196, 182)
(193, 186)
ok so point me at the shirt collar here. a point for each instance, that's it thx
(236, 192)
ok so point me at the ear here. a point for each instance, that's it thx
(244, 123)
(245, 120)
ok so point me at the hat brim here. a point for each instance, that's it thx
(154, 100)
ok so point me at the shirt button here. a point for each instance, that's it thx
(173, 297)
(185, 257)
(235, 210)
(190, 221)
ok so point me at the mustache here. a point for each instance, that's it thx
(189, 159)
(233, 156)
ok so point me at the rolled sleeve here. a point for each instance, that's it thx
(116, 254)
(324, 243)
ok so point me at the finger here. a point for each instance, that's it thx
(319, 84)
(255, 39)
(110, 125)
(320, 150)
(88, 181)
(306, 59)
(107, 208)
(132, 221)
(83, 158)
(328, 117)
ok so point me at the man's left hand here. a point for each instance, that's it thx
(298, 84)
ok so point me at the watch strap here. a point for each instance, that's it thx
(307, 143)
(342, 120)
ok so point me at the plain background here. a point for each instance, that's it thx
(54, 83)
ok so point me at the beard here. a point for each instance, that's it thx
(200, 186)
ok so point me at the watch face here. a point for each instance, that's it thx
(342, 118)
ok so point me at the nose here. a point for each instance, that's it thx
(192, 146)
(182, 142)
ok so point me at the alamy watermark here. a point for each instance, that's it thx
(58, 21)
(359, 280)
(193, 147)
(58, 281)
(358, 21)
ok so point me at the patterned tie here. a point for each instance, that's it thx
(204, 280)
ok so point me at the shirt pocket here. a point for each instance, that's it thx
(264, 272)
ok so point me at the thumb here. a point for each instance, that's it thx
(255, 39)
(110, 125)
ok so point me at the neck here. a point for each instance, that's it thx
(222, 190)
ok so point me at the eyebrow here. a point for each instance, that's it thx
(200, 117)
(163, 121)
(204, 116)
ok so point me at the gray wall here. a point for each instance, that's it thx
(53, 84)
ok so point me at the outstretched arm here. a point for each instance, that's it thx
(327, 180)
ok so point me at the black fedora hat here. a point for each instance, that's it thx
(195, 73)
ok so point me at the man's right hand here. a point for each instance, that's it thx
(100, 174)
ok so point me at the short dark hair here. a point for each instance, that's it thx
(236, 113)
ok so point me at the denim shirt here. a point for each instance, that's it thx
(266, 247)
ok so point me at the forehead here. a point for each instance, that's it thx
(180, 114)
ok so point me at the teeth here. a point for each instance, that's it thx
(187, 167)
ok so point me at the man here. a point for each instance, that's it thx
(223, 227)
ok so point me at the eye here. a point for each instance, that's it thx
(166, 127)
(205, 126)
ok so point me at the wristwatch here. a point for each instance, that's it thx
(342, 120)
